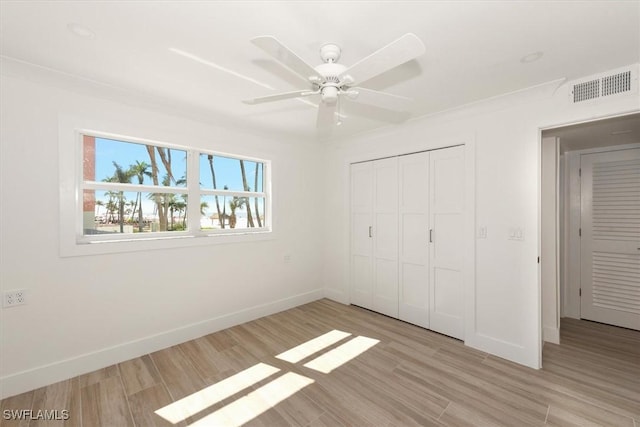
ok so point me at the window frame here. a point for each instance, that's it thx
(192, 189)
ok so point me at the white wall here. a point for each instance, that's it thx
(89, 312)
(504, 314)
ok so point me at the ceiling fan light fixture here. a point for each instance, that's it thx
(330, 94)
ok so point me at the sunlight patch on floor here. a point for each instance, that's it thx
(255, 403)
(310, 347)
(341, 354)
(196, 402)
(252, 403)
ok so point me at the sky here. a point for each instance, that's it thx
(227, 170)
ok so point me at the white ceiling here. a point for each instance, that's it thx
(473, 50)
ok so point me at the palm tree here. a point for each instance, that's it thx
(140, 170)
(224, 208)
(203, 207)
(154, 177)
(111, 206)
(164, 207)
(246, 188)
(255, 199)
(99, 203)
(181, 206)
(213, 178)
(124, 177)
(132, 205)
(170, 202)
(160, 201)
(235, 203)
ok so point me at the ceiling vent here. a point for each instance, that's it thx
(622, 81)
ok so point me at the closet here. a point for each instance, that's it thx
(407, 240)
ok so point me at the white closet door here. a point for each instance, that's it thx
(385, 236)
(361, 242)
(414, 238)
(610, 244)
(446, 194)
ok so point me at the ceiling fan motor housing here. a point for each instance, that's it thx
(331, 85)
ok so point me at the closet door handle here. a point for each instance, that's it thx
(370, 231)
(431, 235)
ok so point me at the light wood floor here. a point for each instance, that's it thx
(411, 377)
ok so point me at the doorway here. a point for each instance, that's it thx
(565, 266)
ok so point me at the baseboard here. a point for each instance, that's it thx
(551, 335)
(507, 350)
(41, 376)
(336, 295)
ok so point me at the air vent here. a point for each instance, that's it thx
(586, 90)
(616, 82)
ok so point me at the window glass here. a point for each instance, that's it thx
(131, 212)
(129, 190)
(226, 173)
(109, 160)
(232, 212)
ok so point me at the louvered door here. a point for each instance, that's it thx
(610, 245)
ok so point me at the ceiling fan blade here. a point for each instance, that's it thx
(379, 99)
(395, 53)
(326, 115)
(279, 96)
(286, 56)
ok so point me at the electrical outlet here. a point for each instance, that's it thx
(287, 259)
(515, 233)
(482, 232)
(14, 297)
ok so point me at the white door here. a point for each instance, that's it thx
(414, 238)
(446, 259)
(610, 244)
(385, 236)
(361, 228)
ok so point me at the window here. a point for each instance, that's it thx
(139, 190)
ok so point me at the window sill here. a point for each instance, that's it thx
(99, 247)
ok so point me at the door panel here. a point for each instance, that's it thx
(385, 237)
(415, 295)
(446, 207)
(447, 240)
(610, 244)
(361, 281)
(385, 293)
(447, 300)
(414, 238)
(361, 243)
(385, 232)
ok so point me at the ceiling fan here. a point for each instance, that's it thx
(333, 81)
